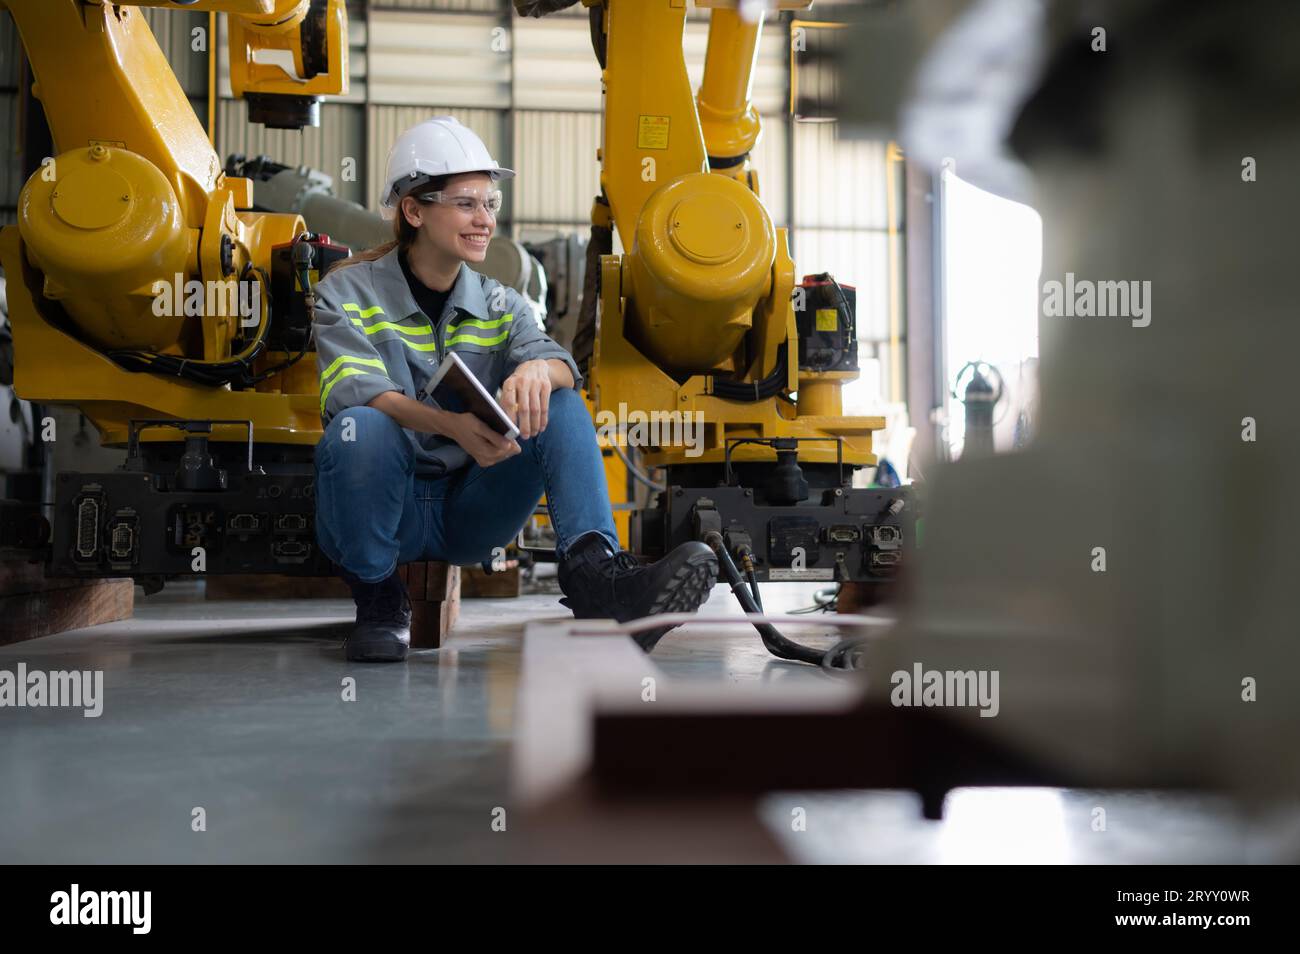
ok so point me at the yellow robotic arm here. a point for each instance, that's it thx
(701, 323)
(704, 292)
(135, 196)
(284, 54)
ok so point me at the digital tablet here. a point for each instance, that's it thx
(454, 387)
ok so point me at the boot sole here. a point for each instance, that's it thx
(691, 586)
(378, 651)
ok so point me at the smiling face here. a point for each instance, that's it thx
(453, 232)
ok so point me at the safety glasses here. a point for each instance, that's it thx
(466, 203)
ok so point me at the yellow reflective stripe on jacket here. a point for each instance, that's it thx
(419, 345)
(505, 320)
(362, 312)
(413, 345)
(480, 323)
(370, 329)
(348, 359)
(404, 329)
(328, 377)
(345, 373)
(475, 339)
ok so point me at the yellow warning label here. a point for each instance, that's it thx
(652, 132)
(828, 319)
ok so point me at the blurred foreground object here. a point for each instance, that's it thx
(1130, 575)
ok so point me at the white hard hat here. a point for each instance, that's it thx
(439, 146)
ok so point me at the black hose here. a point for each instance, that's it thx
(769, 387)
(776, 644)
(236, 371)
(752, 577)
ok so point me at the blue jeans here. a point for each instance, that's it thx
(374, 512)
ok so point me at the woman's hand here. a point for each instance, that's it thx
(485, 445)
(526, 396)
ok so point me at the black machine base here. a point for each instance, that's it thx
(189, 510)
(838, 534)
(127, 524)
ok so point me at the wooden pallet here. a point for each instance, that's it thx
(475, 583)
(32, 606)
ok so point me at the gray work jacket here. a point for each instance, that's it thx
(372, 337)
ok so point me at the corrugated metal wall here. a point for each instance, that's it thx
(556, 93)
(555, 67)
(175, 32)
(842, 220)
(458, 58)
(770, 160)
(555, 155)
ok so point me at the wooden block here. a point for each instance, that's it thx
(64, 607)
(475, 583)
(436, 583)
(434, 615)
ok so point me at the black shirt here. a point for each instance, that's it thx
(431, 302)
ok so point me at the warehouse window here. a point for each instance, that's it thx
(992, 255)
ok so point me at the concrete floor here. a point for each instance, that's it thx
(227, 707)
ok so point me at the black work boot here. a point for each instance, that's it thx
(383, 629)
(601, 584)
